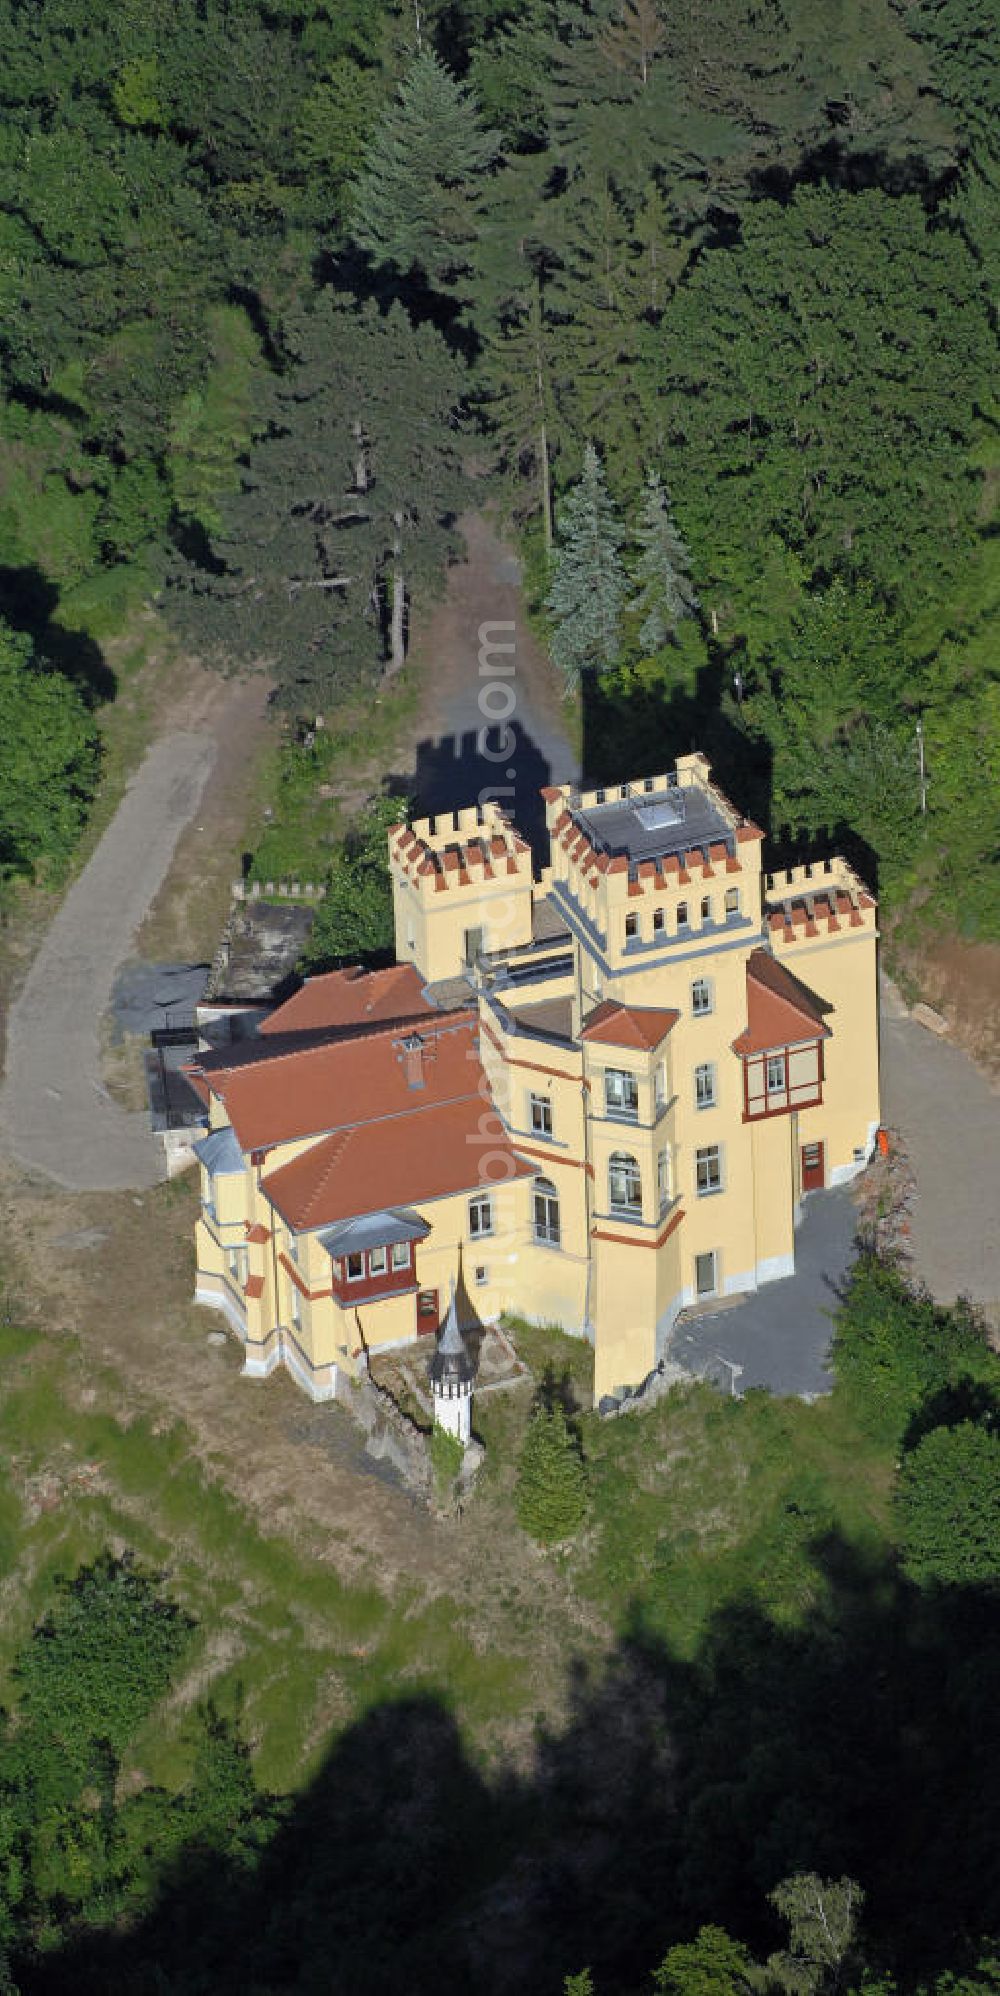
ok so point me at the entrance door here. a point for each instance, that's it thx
(813, 1170)
(428, 1318)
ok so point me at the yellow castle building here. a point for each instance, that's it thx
(592, 1097)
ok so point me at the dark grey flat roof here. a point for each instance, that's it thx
(652, 825)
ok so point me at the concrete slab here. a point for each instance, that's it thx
(779, 1337)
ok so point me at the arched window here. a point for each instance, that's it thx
(624, 1184)
(546, 1213)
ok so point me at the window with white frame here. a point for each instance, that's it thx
(400, 1254)
(293, 1246)
(708, 1169)
(378, 1261)
(621, 1094)
(631, 927)
(624, 1185)
(704, 1274)
(482, 1277)
(704, 1085)
(660, 1085)
(732, 900)
(541, 1115)
(480, 1216)
(545, 1213)
(701, 997)
(238, 1262)
(355, 1267)
(663, 1181)
(777, 1071)
(295, 1306)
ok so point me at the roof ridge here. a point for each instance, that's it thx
(342, 1035)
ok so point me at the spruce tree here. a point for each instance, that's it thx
(665, 593)
(551, 1495)
(418, 193)
(588, 582)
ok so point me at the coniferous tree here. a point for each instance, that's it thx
(551, 1495)
(662, 571)
(587, 594)
(346, 505)
(418, 192)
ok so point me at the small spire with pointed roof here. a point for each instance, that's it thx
(452, 1371)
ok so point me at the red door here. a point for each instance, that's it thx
(427, 1310)
(813, 1172)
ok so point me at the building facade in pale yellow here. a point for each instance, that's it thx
(616, 1082)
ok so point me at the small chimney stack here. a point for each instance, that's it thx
(413, 1061)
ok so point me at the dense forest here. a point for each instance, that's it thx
(704, 295)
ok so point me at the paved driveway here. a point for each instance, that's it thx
(55, 1114)
(948, 1116)
(779, 1337)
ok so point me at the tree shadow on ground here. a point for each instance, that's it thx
(29, 601)
(863, 1739)
(637, 730)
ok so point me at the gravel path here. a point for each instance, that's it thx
(465, 688)
(948, 1116)
(55, 1114)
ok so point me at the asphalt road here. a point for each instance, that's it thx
(948, 1116)
(55, 1114)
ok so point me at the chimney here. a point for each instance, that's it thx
(413, 1060)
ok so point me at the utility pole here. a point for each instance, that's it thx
(922, 766)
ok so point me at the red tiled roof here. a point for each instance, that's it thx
(353, 997)
(780, 1009)
(307, 1090)
(445, 1147)
(640, 1026)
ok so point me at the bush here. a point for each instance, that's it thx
(948, 1500)
(893, 1350)
(551, 1495)
(447, 1457)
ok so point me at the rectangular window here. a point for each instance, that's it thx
(377, 1261)
(708, 1169)
(480, 1216)
(663, 1179)
(704, 1273)
(400, 1254)
(631, 926)
(732, 900)
(701, 997)
(355, 1267)
(704, 1086)
(482, 1277)
(682, 914)
(659, 920)
(295, 1306)
(706, 908)
(776, 1073)
(647, 784)
(625, 790)
(541, 1115)
(660, 1085)
(238, 1261)
(293, 1247)
(598, 796)
(621, 1094)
